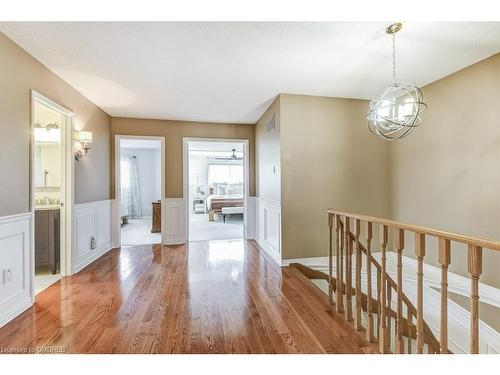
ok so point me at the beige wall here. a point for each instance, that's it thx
(174, 132)
(328, 159)
(267, 154)
(20, 72)
(446, 174)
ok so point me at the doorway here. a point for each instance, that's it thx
(140, 189)
(51, 190)
(215, 185)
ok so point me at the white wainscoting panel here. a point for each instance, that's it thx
(174, 225)
(16, 266)
(115, 223)
(92, 220)
(269, 227)
(251, 218)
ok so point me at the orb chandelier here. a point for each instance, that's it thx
(396, 110)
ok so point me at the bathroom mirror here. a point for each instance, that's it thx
(47, 164)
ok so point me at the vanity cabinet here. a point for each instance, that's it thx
(47, 238)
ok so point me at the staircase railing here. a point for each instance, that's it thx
(347, 231)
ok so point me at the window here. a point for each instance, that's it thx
(125, 173)
(229, 173)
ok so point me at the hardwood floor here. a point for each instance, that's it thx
(205, 297)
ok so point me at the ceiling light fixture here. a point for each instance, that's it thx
(396, 110)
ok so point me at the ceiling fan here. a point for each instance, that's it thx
(232, 157)
(49, 126)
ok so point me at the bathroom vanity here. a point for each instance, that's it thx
(47, 237)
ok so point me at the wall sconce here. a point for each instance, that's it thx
(85, 139)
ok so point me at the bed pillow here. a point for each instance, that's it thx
(221, 190)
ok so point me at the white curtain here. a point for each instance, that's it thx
(130, 187)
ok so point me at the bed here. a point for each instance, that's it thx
(215, 203)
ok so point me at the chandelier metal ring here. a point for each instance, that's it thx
(396, 110)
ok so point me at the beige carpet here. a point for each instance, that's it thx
(138, 232)
(200, 229)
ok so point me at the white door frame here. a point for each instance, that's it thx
(116, 216)
(67, 190)
(185, 175)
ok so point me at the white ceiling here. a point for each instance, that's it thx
(229, 72)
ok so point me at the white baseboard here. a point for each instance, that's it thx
(92, 220)
(174, 225)
(16, 265)
(268, 225)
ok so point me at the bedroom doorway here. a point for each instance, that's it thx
(216, 184)
(139, 189)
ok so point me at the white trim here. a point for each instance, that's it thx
(173, 227)
(185, 177)
(116, 208)
(264, 207)
(16, 231)
(67, 188)
(15, 217)
(99, 215)
(18, 310)
(35, 95)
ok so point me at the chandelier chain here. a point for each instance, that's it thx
(394, 58)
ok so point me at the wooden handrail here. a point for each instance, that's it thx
(345, 240)
(468, 240)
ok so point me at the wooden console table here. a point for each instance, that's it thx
(156, 225)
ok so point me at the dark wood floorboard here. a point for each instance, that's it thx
(205, 297)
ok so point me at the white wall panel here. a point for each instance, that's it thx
(92, 220)
(16, 264)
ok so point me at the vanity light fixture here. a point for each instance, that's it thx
(85, 139)
(396, 110)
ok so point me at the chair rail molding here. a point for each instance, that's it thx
(268, 226)
(16, 265)
(92, 222)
